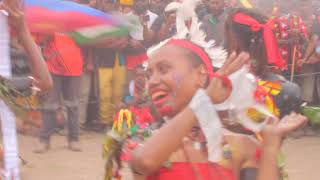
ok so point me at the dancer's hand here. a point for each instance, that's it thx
(15, 13)
(234, 63)
(275, 131)
(217, 89)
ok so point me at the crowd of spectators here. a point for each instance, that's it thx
(94, 81)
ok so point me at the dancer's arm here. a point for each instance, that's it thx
(272, 139)
(35, 59)
(38, 66)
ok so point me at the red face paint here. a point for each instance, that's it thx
(166, 110)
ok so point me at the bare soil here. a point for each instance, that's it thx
(303, 159)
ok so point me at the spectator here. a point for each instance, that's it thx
(165, 25)
(135, 52)
(147, 18)
(109, 62)
(141, 8)
(64, 60)
(213, 23)
(88, 73)
(126, 8)
(157, 6)
(311, 62)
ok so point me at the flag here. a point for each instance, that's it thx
(83, 23)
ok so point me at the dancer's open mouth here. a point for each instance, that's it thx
(159, 97)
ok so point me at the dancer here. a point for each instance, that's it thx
(176, 88)
(172, 98)
(252, 32)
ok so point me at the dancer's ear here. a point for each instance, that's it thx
(203, 76)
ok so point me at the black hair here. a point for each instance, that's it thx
(194, 59)
(240, 37)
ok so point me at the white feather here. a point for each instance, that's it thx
(182, 29)
(156, 47)
(186, 12)
(187, 9)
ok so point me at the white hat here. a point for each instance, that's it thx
(172, 7)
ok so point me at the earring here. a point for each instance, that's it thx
(202, 70)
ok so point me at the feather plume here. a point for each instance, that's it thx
(185, 12)
(217, 54)
(195, 34)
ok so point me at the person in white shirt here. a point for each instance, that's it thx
(147, 19)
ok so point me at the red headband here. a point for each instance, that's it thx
(270, 42)
(195, 49)
(204, 58)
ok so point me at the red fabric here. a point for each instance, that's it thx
(184, 171)
(63, 56)
(143, 116)
(225, 80)
(132, 61)
(197, 50)
(273, 54)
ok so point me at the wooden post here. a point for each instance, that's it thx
(293, 65)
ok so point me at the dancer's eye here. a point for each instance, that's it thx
(163, 68)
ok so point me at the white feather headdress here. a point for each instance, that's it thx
(186, 12)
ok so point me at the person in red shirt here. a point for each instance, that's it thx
(65, 63)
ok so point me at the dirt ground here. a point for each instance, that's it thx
(60, 164)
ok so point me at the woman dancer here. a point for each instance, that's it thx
(182, 90)
(251, 32)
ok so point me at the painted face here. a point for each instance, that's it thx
(172, 80)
